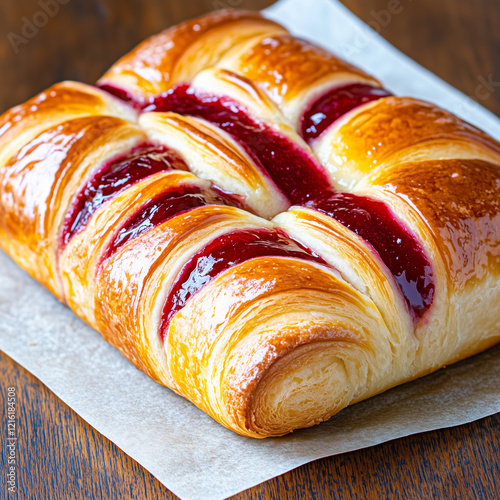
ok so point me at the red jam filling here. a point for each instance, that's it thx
(334, 104)
(121, 94)
(300, 178)
(113, 178)
(224, 252)
(294, 171)
(398, 248)
(156, 211)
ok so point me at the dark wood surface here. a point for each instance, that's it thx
(62, 457)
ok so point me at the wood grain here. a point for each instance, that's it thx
(61, 457)
(83, 38)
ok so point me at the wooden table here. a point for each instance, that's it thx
(64, 458)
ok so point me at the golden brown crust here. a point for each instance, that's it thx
(396, 130)
(353, 258)
(284, 66)
(459, 200)
(177, 54)
(213, 154)
(59, 103)
(139, 275)
(38, 183)
(237, 326)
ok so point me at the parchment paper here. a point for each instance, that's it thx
(186, 450)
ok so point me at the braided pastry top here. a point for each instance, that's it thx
(256, 223)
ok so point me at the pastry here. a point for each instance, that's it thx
(255, 223)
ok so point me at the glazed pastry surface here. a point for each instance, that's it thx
(255, 223)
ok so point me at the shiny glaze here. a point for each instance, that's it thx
(133, 280)
(334, 104)
(398, 129)
(179, 53)
(460, 201)
(228, 339)
(304, 183)
(285, 66)
(62, 102)
(397, 247)
(158, 210)
(226, 251)
(65, 98)
(36, 187)
(291, 168)
(38, 175)
(113, 178)
(217, 157)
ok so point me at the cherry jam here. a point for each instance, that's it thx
(113, 178)
(155, 212)
(334, 104)
(121, 94)
(396, 245)
(224, 252)
(299, 177)
(292, 169)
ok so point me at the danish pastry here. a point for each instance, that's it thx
(255, 223)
